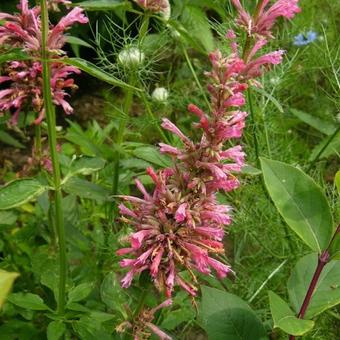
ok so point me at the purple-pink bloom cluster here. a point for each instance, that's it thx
(23, 79)
(180, 225)
(156, 6)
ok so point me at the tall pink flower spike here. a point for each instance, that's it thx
(180, 225)
(23, 79)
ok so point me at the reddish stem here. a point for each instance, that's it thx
(322, 261)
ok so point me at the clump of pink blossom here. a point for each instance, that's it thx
(179, 226)
(265, 16)
(157, 6)
(23, 79)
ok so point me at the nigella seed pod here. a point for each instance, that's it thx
(160, 94)
(131, 57)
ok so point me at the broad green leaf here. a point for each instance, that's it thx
(6, 283)
(301, 203)
(196, 22)
(323, 126)
(85, 189)
(8, 217)
(226, 316)
(152, 155)
(250, 170)
(337, 181)
(103, 5)
(85, 166)
(333, 148)
(327, 292)
(8, 139)
(88, 328)
(335, 248)
(112, 294)
(80, 292)
(19, 192)
(55, 330)
(27, 301)
(77, 41)
(15, 54)
(96, 72)
(285, 319)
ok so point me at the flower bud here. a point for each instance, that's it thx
(160, 94)
(131, 57)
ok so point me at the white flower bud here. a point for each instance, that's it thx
(131, 56)
(160, 94)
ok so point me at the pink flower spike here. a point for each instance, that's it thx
(127, 263)
(141, 188)
(126, 211)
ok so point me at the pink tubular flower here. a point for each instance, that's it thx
(24, 78)
(264, 19)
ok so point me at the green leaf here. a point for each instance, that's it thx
(112, 294)
(84, 166)
(8, 217)
(333, 148)
(8, 139)
(80, 292)
(196, 22)
(226, 316)
(301, 203)
(6, 283)
(16, 54)
(271, 98)
(19, 192)
(85, 189)
(285, 319)
(77, 41)
(55, 330)
(96, 72)
(152, 155)
(323, 126)
(337, 181)
(250, 170)
(327, 292)
(103, 5)
(27, 301)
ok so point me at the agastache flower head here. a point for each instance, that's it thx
(174, 233)
(266, 16)
(24, 78)
(156, 6)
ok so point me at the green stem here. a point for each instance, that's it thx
(191, 67)
(52, 138)
(37, 141)
(254, 128)
(323, 149)
(153, 118)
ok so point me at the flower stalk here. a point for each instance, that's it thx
(52, 138)
(323, 259)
